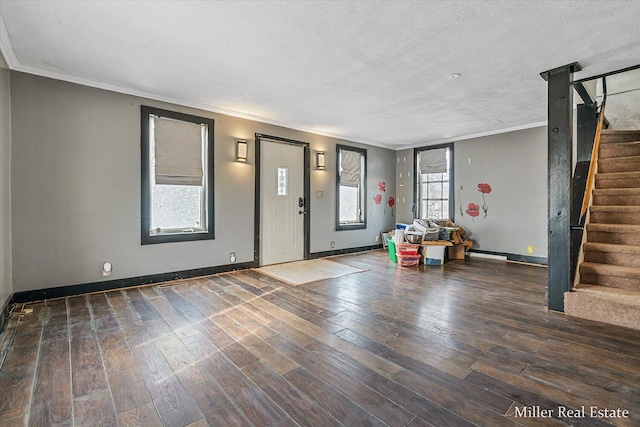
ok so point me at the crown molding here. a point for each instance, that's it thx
(6, 48)
(475, 135)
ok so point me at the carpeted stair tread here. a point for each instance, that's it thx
(613, 228)
(615, 208)
(624, 196)
(618, 175)
(626, 295)
(619, 164)
(621, 143)
(611, 253)
(618, 180)
(616, 191)
(619, 149)
(620, 159)
(610, 270)
(613, 135)
(615, 214)
(612, 131)
(615, 293)
(619, 307)
(610, 247)
(605, 232)
(623, 159)
(613, 140)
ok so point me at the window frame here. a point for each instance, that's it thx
(145, 205)
(362, 224)
(418, 180)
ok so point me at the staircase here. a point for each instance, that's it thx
(609, 288)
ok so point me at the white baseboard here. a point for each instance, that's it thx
(487, 256)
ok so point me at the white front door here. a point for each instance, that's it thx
(281, 194)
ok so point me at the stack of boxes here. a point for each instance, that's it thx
(430, 251)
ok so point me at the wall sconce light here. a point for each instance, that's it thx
(320, 160)
(242, 150)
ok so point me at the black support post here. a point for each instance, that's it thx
(560, 144)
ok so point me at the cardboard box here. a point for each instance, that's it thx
(456, 251)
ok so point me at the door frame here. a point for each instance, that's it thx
(306, 194)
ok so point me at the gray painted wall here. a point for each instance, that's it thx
(623, 99)
(405, 185)
(76, 188)
(515, 165)
(623, 110)
(380, 168)
(6, 288)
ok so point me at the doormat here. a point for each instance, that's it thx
(303, 272)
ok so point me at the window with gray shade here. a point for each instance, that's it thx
(351, 182)
(177, 176)
(434, 186)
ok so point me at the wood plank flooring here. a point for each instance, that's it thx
(469, 343)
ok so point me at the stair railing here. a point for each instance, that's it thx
(594, 156)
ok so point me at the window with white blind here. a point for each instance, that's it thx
(351, 183)
(177, 176)
(434, 183)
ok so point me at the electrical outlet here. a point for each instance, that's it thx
(530, 250)
(333, 244)
(107, 268)
(377, 238)
(232, 257)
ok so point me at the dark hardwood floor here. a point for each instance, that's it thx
(469, 343)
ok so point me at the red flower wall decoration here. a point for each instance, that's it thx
(473, 210)
(391, 202)
(484, 189)
(382, 186)
(378, 199)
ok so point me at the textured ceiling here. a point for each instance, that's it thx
(374, 72)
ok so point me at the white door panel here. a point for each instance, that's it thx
(281, 187)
